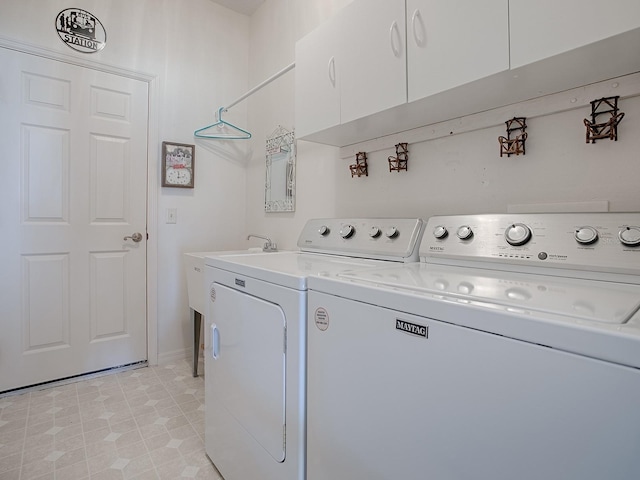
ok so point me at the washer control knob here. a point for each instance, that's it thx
(440, 232)
(517, 234)
(324, 230)
(374, 232)
(464, 232)
(392, 232)
(347, 231)
(586, 235)
(630, 236)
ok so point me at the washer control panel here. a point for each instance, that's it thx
(606, 242)
(384, 238)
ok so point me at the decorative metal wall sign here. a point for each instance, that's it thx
(81, 30)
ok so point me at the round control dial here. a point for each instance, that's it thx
(392, 232)
(586, 235)
(440, 232)
(517, 234)
(464, 232)
(347, 231)
(630, 236)
(324, 230)
(374, 232)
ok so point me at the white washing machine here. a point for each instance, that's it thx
(511, 351)
(255, 351)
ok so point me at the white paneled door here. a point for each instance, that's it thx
(73, 157)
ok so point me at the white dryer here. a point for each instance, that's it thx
(255, 350)
(511, 351)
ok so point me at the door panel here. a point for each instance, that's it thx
(45, 302)
(46, 183)
(249, 374)
(72, 291)
(536, 34)
(373, 58)
(317, 82)
(451, 43)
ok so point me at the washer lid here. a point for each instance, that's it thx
(599, 301)
(291, 269)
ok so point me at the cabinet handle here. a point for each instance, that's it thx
(332, 70)
(415, 18)
(215, 341)
(396, 50)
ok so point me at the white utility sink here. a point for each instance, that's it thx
(194, 263)
(197, 291)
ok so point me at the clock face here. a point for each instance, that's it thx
(178, 176)
(178, 165)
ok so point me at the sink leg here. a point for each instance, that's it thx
(197, 321)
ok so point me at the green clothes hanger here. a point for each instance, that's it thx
(223, 130)
(228, 131)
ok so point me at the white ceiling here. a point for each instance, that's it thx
(246, 7)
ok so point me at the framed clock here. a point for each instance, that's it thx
(178, 161)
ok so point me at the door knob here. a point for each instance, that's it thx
(136, 237)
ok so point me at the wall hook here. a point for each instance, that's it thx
(360, 167)
(608, 129)
(399, 162)
(516, 145)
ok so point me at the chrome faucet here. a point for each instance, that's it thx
(268, 246)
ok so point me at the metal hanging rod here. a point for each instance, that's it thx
(259, 86)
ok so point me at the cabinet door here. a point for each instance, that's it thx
(373, 66)
(317, 82)
(543, 28)
(453, 42)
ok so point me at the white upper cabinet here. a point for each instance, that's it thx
(373, 67)
(453, 42)
(352, 66)
(544, 28)
(385, 66)
(317, 81)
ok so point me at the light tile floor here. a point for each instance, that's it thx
(140, 424)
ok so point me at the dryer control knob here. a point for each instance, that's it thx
(630, 236)
(440, 232)
(517, 234)
(374, 232)
(347, 231)
(324, 230)
(586, 235)
(392, 232)
(464, 232)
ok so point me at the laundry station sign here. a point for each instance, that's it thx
(81, 30)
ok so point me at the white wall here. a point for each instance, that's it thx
(455, 174)
(198, 51)
(275, 27)
(465, 173)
